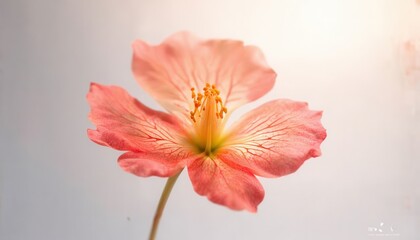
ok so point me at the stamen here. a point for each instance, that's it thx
(192, 93)
(206, 116)
(200, 100)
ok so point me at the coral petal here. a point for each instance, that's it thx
(226, 183)
(169, 70)
(276, 138)
(124, 123)
(150, 164)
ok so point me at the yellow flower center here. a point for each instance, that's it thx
(207, 118)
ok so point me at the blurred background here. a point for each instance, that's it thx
(357, 60)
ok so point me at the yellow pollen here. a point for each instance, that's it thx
(200, 100)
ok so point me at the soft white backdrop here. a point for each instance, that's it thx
(340, 56)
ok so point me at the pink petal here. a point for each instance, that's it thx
(226, 183)
(169, 70)
(276, 138)
(151, 164)
(126, 124)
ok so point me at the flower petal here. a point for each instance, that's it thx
(276, 138)
(124, 123)
(226, 183)
(168, 71)
(150, 164)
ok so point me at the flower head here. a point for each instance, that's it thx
(200, 82)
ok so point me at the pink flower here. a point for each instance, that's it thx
(200, 82)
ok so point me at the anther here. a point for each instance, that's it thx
(201, 99)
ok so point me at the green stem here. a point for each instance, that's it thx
(162, 202)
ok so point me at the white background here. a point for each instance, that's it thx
(340, 56)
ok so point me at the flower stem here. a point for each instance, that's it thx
(162, 202)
